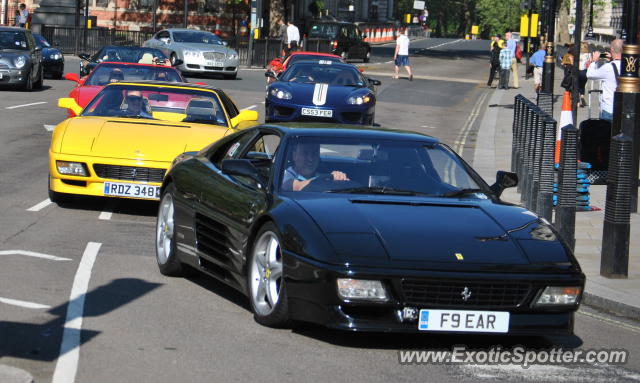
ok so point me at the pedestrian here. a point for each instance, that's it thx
(401, 55)
(494, 61)
(293, 38)
(16, 18)
(282, 35)
(24, 16)
(537, 61)
(512, 45)
(582, 71)
(609, 73)
(506, 60)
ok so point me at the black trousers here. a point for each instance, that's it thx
(492, 74)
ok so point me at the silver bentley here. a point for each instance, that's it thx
(199, 51)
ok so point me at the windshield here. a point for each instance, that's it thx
(324, 30)
(296, 58)
(325, 73)
(13, 40)
(151, 102)
(372, 166)
(41, 42)
(129, 54)
(108, 73)
(196, 37)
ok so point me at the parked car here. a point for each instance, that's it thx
(346, 39)
(20, 59)
(127, 54)
(52, 57)
(322, 91)
(200, 51)
(122, 143)
(412, 239)
(107, 72)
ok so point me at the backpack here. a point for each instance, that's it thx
(518, 52)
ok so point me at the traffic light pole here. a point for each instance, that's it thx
(549, 64)
(527, 47)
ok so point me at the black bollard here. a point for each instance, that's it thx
(566, 211)
(614, 261)
(528, 191)
(522, 123)
(537, 159)
(545, 102)
(547, 171)
(517, 104)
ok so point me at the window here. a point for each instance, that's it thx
(262, 152)
(230, 149)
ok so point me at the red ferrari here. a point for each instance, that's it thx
(108, 72)
(277, 65)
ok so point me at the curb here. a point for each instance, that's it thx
(10, 374)
(610, 305)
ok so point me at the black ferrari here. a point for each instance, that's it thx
(364, 229)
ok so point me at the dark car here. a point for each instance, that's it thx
(20, 59)
(127, 54)
(364, 229)
(52, 58)
(323, 91)
(346, 39)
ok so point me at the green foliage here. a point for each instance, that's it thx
(498, 16)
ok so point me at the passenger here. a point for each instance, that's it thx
(306, 158)
(136, 105)
(116, 75)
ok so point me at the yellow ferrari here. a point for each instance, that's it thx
(124, 140)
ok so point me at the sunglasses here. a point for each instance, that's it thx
(134, 98)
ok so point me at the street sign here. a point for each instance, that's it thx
(572, 28)
(524, 25)
(474, 29)
(418, 4)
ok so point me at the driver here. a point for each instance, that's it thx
(136, 105)
(306, 157)
(116, 75)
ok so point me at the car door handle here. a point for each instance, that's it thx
(188, 195)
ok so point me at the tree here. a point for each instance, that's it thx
(498, 16)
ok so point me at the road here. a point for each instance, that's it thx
(140, 326)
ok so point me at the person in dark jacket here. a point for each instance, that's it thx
(494, 63)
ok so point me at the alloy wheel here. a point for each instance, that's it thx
(165, 229)
(266, 273)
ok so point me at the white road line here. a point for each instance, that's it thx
(33, 254)
(40, 205)
(23, 105)
(67, 364)
(611, 321)
(107, 212)
(249, 107)
(439, 45)
(25, 304)
(49, 128)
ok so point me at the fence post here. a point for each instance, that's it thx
(545, 102)
(566, 211)
(526, 146)
(547, 171)
(614, 261)
(537, 161)
(515, 131)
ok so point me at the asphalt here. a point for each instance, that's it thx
(493, 152)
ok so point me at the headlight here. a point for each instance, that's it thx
(191, 54)
(71, 168)
(281, 94)
(558, 296)
(361, 289)
(232, 56)
(359, 100)
(56, 56)
(20, 61)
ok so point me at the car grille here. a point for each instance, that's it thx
(129, 173)
(217, 56)
(438, 293)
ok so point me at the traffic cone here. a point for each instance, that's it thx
(566, 118)
(366, 33)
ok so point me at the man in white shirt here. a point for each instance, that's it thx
(607, 73)
(401, 55)
(511, 45)
(293, 38)
(24, 15)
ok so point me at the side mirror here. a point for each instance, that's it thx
(245, 115)
(504, 180)
(84, 56)
(225, 43)
(269, 74)
(242, 168)
(72, 77)
(37, 49)
(374, 81)
(69, 103)
(177, 62)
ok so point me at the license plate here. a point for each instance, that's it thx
(214, 63)
(463, 320)
(317, 112)
(131, 190)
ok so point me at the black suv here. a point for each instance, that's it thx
(346, 39)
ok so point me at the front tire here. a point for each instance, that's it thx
(265, 279)
(367, 57)
(28, 83)
(230, 76)
(166, 248)
(38, 84)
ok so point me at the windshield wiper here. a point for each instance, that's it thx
(136, 116)
(461, 192)
(376, 190)
(356, 85)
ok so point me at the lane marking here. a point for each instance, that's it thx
(67, 363)
(443, 44)
(25, 304)
(611, 321)
(49, 128)
(34, 254)
(40, 206)
(24, 105)
(249, 107)
(107, 213)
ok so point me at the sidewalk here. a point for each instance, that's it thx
(493, 152)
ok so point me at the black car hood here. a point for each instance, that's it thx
(49, 51)
(366, 230)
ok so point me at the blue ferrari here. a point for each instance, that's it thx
(321, 91)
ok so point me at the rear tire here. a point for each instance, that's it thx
(166, 248)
